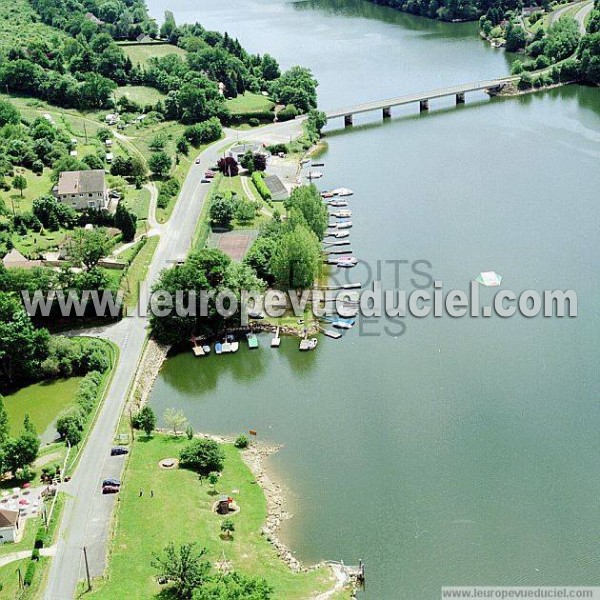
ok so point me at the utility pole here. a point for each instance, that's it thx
(20, 578)
(87, 569)
(85, 132)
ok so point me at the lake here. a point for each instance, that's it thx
(453, 451)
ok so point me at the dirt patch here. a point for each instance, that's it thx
(168, 463)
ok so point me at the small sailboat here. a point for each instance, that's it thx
(276, 341)
(338, 203)
(226, 347)
(341, 234)
(343, 192)
(344, 225)
(308, 344)
(314, 174)
(206, 349)
(347, 262)
(342, 214)
(252, 340)
(218, 348)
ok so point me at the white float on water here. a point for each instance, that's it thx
(489, 278)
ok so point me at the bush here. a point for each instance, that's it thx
(278, 148)
(35, 555)
(241, 442)
(253, 122)
(202, 455)
(40, 538)
(288, 113)
(29, 573)
(261, 186)
(203, 133)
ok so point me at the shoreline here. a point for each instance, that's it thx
(255, 457)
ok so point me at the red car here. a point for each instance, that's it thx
(209, 174)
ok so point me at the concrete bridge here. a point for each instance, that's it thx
(459, 91)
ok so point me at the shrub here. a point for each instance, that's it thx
(253, 122)
(241, 442)
(29, 573)
(260, 185)
(288, 113)
(40, 538)
(35, 555)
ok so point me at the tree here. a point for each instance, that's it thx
(221, 211)
(307, 200)
(17, 332)
(145, 420)
(69, 426)
(213, 479)
(202, 455)
(228, 166)
(88, 246)
(516, 38)
(228, 527)
(21, 452)
(53, 214)
(297, 259)
(185, 567)
(260, 255)
(205, 132)
(126, 221)
(28, 425)
(183, 146)
(19, 183)
(9, 114)
(160, 163)
(235, 586)
(4, 423)
(317, 119)
(590, 56)
(175, 419)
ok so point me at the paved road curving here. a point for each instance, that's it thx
(87, 513)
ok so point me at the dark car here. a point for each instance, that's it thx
(111, 483)
(118, 450)
(110, 489)
(205, 181)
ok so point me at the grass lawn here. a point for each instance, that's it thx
(138, 201)
(141, 94)
(248, 103)
(37, 185)
(140, 54)
(137, 271)
(181, 511)
(26, 543)
(42, 401)
(33, 243)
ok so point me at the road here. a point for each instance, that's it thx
(87, 513)
(579, 16)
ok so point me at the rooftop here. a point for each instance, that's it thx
(81, 182)
(8, 518)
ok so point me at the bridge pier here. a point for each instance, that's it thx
(348, 120)
(423, 105)
(387, 112)
(460, 98)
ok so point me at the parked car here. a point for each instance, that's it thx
(118, 450)
(110, 489)
(198, 161)
(209, 174)
(111, 483)
(205, 180)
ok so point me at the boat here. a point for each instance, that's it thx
(206, 349)
(252, 340)
(276, 341)
(308, 344)
(343, 192)
(341, 214)
(314, 174)
(344, 225)
(341, 234)
(338, 203)
(341, 324)
(347, 262)
(218, 348)
(327, 194)
(235, 346)
(335, 335)
(226, 347)
(318, 164)
(352, 286)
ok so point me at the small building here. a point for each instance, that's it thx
(144, 38)
(82, 189)
(93, 18)
(108, 143)
(111, 119)
(9, 525)
(277, 188)
(109, 157)
(238, 151)
(529, 10)
(15, 260)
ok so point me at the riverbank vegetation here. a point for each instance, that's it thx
(140, 553)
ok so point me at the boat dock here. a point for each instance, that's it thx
(276, 341)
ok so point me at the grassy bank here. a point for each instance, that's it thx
(181, 511)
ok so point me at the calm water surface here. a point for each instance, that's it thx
(464, 451)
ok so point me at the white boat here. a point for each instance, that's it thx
(348, 262)
(338, 203)
(341, 325)
(206, 349)
(341, 234)
(345, 225)
(235, 346)
(226, 347)
(489, 278)
(307, 344)
(314, 174)
(343, 192)
(342, 214)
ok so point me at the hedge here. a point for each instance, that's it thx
(261, 186)
(29, 573)
(40, 538)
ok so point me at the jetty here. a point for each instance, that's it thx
(196, 348)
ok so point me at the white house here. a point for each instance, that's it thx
(9, 525)
(82, 189)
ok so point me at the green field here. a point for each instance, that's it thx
(41, 401)
(248, 103)
(141, 94)
(141, 53)
(137, 271)
(181, 511)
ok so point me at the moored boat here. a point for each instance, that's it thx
(252, 340)
(235, 346)
(308, 344)
(218, 348)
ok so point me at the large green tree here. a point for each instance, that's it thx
(297, 259)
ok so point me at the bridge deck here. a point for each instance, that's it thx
(439, 93)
